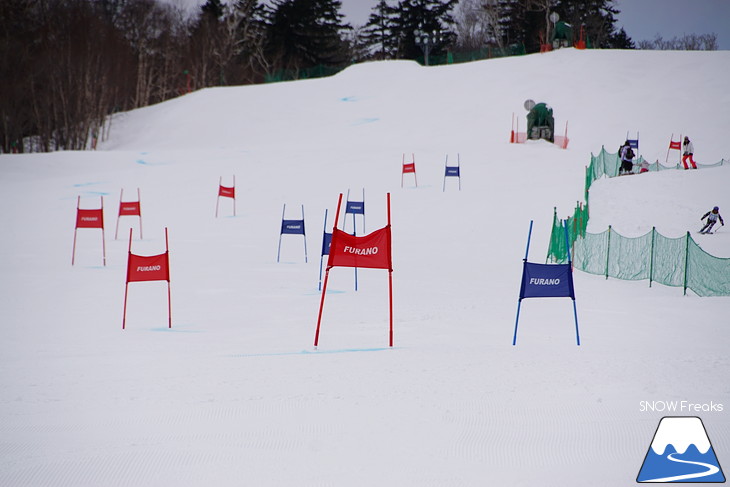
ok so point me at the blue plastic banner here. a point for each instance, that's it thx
(547, 281)
(452, 171)
(292, 227)
(355, 207)
(326, 242)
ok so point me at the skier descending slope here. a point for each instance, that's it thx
(712, 217)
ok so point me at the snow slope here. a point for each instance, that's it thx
(235, 393)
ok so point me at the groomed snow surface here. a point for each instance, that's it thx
(235, 393)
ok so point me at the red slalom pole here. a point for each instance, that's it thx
(76, 229)
(169, 301)
(126, 285)
(326, 276)
(103, 240)
(390, 279)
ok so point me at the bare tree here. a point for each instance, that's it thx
(688, 42)
(477, 24)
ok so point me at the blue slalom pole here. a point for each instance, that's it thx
(304, 234)
(570, 263)
(354, 232)
(278, 252)
(519, 303)
(321, 257)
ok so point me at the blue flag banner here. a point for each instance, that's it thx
(326, 242)
(355, 207)
(292, 227)
(547, 281)
(452, 171)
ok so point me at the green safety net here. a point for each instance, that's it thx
(676, 262)
(707, 275)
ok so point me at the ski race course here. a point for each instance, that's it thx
(234, 392)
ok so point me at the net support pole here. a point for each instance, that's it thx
(651, 256)
(390, 287)
(686, 262)
(519, 302)
(575, 308)
(608, 250)
(326, 278)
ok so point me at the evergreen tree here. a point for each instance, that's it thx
(378, 34)
(527, 22)
(432, 17)
(598, 19)
(306, 33)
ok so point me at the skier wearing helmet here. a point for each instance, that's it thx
(712, 217)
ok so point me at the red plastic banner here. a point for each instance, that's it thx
(369, 251)
(675, 145)
(129, 208)
(227, 192)
(408, 168)
(90, 218)
(148, 268)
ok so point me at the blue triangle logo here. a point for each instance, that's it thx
(681, 452)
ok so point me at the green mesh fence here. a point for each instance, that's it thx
(676, 262)
(608, 163)
(707, 275)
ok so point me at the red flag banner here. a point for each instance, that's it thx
(369, 251)
(227, 192)
(675, 145)
(90, 218)
(408, 168)
(131, 208)
(148, 268)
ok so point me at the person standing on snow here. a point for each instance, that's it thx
(626, 153)
(712, 217)
(687, 153)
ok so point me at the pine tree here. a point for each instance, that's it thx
(307, 33)
(598, 19)
(430, 17)
(378, 33)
